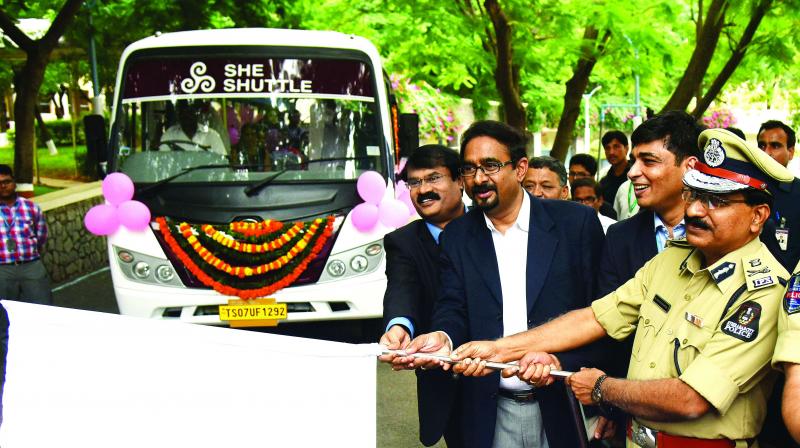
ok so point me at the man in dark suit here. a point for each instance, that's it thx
(412, 273)
(512, 263)
(782, 235)
(664, 148)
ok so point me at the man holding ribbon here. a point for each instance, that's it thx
(704, 316)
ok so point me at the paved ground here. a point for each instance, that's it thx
(396, 395)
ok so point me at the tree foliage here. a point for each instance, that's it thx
(537, 58)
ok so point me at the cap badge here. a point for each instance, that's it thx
(714, 153)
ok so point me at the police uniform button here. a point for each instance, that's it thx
(669, 330)
(687, 297)
(647, 321)
(685, 341)
(652, 365)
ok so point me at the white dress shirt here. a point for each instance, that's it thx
(511, 251)
(605, 221)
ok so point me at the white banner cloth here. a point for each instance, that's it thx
(86, 379)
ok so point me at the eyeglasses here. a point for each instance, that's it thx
(488, 169)
(708, 200)
(586, 200)
(578, 174)
(5, 182)
(433, 179)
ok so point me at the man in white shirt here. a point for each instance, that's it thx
(485, 255)
(188, 134)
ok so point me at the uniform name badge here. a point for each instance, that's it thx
(11, 245)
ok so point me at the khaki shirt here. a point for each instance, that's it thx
(686, 328)
(787, 349)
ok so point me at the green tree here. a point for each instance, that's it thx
(29, 79)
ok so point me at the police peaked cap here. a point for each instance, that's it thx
(730, 164)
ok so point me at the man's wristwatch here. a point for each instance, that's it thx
(597, 392)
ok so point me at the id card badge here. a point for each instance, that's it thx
(782, 235)
(11, 245)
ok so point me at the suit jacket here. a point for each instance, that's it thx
(412, 273)
(564, 243)
(630, 244)
(787, 207)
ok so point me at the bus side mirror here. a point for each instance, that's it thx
(94, 127)
(409, 133)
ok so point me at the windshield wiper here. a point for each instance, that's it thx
(256, 187)
(169, 179)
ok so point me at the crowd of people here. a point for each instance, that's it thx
(661, 297)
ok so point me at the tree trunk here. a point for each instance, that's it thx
(701, 57)
(26, 84)
(506, 75)
(3, 113)
(575, 87)
(735, 59)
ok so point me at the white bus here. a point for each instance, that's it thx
(218, 128)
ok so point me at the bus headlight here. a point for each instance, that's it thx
(356, 261)
(164, 273)
(359, 263)
(125, 256)
(336, 268)
(147, 269)
(141, 270)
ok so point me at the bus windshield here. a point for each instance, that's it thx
(309, 119)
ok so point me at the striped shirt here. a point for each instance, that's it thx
(23, 231)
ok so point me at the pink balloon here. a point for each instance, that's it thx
(134, 215)
(365, 216)
(102, 219)
(393, 213)
(405, 198)
(371, 186)
(117, 188)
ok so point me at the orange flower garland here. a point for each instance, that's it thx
(231, 243)
(246, 271)
(256, 228)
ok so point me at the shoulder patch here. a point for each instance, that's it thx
(791, 300)
(762, 281)
(743, 324)
(723, 271)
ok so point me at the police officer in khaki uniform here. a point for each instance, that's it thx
(704, 316)
(787, 353)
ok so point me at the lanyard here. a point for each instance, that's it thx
(10, 225)
(631, 198)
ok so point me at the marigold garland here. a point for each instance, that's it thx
(267, 276)
(238, 246)
(255, 228)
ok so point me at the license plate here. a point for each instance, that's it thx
(253, 313)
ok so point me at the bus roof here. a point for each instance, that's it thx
(255, 37)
